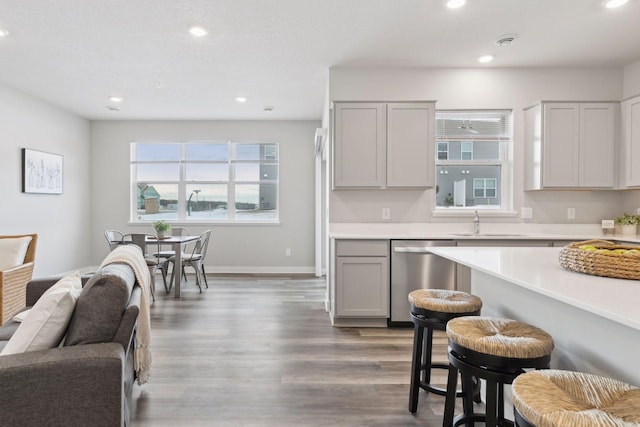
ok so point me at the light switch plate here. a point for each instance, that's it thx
(571, 213)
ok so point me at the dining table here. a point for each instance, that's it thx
(176, 243)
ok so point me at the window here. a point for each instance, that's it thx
(484, 188)
(472, 171)
(443, 150)
(204, 181)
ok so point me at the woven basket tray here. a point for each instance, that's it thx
(602, 263)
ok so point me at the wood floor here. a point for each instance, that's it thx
(261, 352)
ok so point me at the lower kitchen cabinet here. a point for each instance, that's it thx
(362, 279)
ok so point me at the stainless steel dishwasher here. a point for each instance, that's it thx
(414, 267)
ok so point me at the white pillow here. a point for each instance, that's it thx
(21, 316)
(12, 251)
(47, 322)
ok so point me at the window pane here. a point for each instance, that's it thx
(464, 185)
(207, 172)
(256, 172)
(157, 152)
(214, 152)
(157, 201)
(256, 151)
(247, 171)
(486, 150)
(247, 151)
(158, 172)
(207, 201)
(256, 201)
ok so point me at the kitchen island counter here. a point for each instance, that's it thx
(595, 321)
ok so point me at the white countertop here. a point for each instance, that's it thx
(538, 269)
(464, 231)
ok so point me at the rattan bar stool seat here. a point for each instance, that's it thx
(445, 301)
(500, 337)
(555, 398)
(431, 309)
(497, 351)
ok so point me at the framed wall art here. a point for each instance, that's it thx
(41, 172)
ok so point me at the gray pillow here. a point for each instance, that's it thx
(99, 308)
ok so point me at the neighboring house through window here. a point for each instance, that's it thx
(204, 181)
(472, 168)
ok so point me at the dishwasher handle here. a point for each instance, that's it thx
(413, 249)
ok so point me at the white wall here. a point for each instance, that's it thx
(61, 221)
(476, 89)
(233, 248)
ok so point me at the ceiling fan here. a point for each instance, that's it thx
(466, 126)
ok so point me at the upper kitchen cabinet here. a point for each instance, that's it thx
(630, 147)
(570, 145)
(384, 145)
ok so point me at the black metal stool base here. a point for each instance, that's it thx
(425, 322)
(496, 371)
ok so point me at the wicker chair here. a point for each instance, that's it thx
(13, 282)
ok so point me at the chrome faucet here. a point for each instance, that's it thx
(476, 223)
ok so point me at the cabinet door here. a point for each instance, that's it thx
(410, 145)
(561, 132)
(631, 152)
(362, 287)
(597, 145)
(360, 141)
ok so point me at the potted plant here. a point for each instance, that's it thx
(162, 228)
(627, 223)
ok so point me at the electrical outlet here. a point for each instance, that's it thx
(526, 213)
(386, 213)
(287, 252)
(637, 211)
(571, 213)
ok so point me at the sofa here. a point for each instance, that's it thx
(86, 380)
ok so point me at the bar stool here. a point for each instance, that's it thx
(551, 398)
(496, 350)
(431, 309)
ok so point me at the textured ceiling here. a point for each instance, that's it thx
(77, 53)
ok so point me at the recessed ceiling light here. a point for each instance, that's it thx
(455, 4)
(4, 33)
(198, 31)
(614, 3)
(241, 99)
(116, 99)
(485, 58)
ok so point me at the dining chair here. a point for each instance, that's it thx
(195, 259)
(154, 262)
(114, 238)
(175, 231)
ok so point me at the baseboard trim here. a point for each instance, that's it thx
(259, 270)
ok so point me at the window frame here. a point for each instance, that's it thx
(182, 183)
(505, 162)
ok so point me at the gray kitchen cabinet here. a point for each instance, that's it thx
(362, 278)
(630, 146)
(570, 145)
(384, 145)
